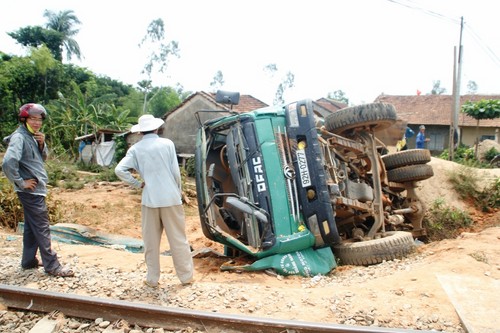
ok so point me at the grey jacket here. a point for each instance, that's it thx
(24, 160)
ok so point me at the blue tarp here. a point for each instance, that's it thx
(77, 234)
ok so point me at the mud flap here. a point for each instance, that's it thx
(307, 262)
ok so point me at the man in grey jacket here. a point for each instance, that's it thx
(155, 159)
(23, 164)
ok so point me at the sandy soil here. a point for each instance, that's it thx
(115, 208)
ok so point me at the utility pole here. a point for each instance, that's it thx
(457, 74)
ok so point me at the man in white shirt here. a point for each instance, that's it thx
(155, 159)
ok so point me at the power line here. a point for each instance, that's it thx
(425, 11)
(483, 45)
(411, 4)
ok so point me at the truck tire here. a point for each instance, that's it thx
(410, 173)
(406, 157)
(395, 245)
(378, 116)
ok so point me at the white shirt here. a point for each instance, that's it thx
(155, 159)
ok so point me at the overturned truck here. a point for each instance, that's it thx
(299, 194)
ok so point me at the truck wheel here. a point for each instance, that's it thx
(410, 173)
(406, 157)
(378, 116)
(395, 245)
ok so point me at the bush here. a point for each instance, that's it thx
(108, 174)
(490, 197)
(490, 154)
(190, 167)
(58, 171)
(463, 154)
(465, 182)
(443, 222)
(11, 210)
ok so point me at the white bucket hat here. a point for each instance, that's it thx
(147, 123)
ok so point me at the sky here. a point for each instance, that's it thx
(363, 47)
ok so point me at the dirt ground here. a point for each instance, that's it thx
(115, 208)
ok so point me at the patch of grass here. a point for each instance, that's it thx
(108, 174)
(490, 154)
(479, 256)
(11, 210)
(58, 170)
(465, 182)
(72, 184)
(443, 221)
(490, 197)
(463, 155)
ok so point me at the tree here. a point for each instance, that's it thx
(483, 109)
(44, 62)
(57, 36)
(340, 96)
(288, 81)
(159, 55)
(471, 87)
(63, 22)
(217, 81)
(163, 101)
(37, 36)
(437, 89)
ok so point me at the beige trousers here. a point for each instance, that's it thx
(172, 220)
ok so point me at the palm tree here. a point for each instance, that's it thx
(63, 22)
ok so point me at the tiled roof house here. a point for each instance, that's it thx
(181, 123)
(434, 111)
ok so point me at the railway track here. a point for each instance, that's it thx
(147, 315)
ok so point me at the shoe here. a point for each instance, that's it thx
(150, 284)
(36, 264)
(188, 282)
(62, 272)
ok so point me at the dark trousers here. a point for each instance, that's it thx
(36, 235)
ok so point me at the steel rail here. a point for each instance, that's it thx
(148, 315)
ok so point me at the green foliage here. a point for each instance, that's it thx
(465, 181)
(437, 89)
(490, 197)
(217, 81)
(490, 154)
(121, 147)
(163, 101)
(108, 174)
(340, 96)
(63, 23)
(11, 211)
(35, 36)
(463, 155)
(443, 221)
(483, 109)
(100, 173)
(61, 172)
(190, 167)
(78, 101)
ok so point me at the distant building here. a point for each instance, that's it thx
(434, 111)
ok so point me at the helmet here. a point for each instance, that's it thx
(422, 127)
(30, 109)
